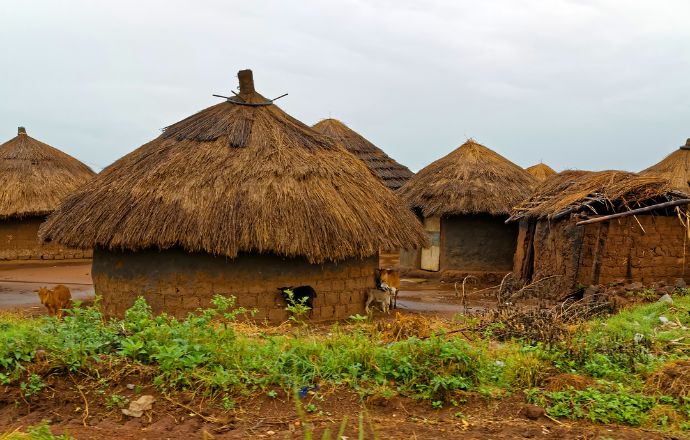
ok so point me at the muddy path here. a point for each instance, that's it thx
(20, 281)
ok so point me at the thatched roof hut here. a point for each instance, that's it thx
(464, 198)
(541, 171)
(675, 167)
(239, 179)
(470, 180)
(34, 179)
(599, 227)
(391, 173)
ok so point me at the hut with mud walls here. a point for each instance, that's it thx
(464, 199)
(238, 199)
(34, 179)
(675, 167)
(541, 171)
(585, 228)
(391, 173)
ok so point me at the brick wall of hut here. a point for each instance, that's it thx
(178, 282)
(19, 241)
(645, 248)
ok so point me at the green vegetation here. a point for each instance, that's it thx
(213, 353)
(40, 432)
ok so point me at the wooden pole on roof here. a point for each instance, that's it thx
(634, 211)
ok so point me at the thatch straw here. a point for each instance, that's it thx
(541, 171)
(470, 180)
(594, 193)
(238, 178)
(391, 173)
(35, 177)
(675, 167)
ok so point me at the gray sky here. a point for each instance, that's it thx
(591, 84)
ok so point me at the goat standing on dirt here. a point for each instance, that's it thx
(56, 299)
(382, 297)
(391, 278)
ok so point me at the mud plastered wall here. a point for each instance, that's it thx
(178, 282)
(19, 241)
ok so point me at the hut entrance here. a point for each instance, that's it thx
(431, 256)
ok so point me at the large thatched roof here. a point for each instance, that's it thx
(541, 171)
(594, 193)
(675, 167)
(35, 177)
(471, 180)
(239, 176)
(391, 173)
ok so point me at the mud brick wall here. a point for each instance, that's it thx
(19, 241)
(477, 243)
(177, 282)
(556, 251)
(655, 249)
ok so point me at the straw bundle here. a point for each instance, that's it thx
(35, 177)
(471, 180)
(541, 171)
(238, 177)
(573, 191)
(675, 167)
(391, 173)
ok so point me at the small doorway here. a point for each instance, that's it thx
(431, 256)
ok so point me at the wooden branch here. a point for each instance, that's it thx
(634, 211)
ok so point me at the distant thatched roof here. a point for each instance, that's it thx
(239, 176)
(470, 180)
(675, 167)
(391, 173)
(594, 193)
(541, 171)
(35, 177)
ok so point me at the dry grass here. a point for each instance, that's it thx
(673, 379)
(541, 171)
(470, 180)
(675, 167)
(391, 173)
(594, 192)
(35, 177)
(237, 178)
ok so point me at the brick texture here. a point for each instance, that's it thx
(177, 282)
(19, 241)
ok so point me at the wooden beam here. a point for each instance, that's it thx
(635, 211)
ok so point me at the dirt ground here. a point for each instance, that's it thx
(20, 281)
(183, 416)
(83, 413)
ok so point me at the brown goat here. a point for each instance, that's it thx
(391, 277)
(56, 299)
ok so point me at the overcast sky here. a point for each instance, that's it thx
(589, 84)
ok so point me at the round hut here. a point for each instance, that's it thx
(390, 172)
(675, 167)
(34, 179)
(464, 199)
(238, 199)
(541, 171)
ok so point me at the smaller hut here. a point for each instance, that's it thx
(34, 179)
(675, 167)
(464, 199)
(391, 173)
(541, 171)
(588, 228)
